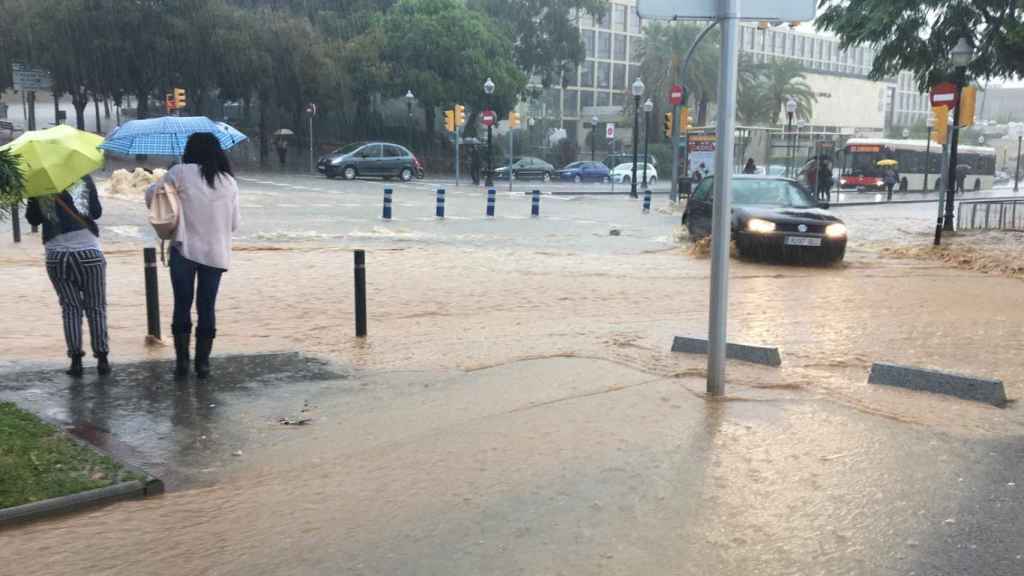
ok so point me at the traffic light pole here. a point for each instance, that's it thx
(636, 144)
(675, 152)
(951, 180)
(1016, 172)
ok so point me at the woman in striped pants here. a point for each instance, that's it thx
(76, 266)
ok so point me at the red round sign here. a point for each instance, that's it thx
(944, 94)
(487, 118)
(675, 95)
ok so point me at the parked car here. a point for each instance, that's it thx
(526, 168)
(584, 172)
(613, 160)
(623, 173)
(379, 159)
(771, 217)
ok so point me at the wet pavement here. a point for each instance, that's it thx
(560, 466)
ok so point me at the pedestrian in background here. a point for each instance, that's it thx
(201, 250)
(825, 180)
(889, 179)
(76, 266)
(282, 150)
(750, 167)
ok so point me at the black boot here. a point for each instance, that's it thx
(102, 364)
(181, 344)
(75, 370)
(204, 345)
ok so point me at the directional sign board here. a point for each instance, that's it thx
(487, 118)
(609, 131)
(30, 78)
(943, 94)
(779, 10)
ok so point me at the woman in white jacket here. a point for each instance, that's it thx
(201, 250)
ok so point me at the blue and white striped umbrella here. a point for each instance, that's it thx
(167, 136)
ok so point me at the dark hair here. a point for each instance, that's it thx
(204, 149)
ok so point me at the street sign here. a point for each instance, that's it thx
(487, 118)
(765, 10)
(675, 95)
(311, 109)
(609, 131)
(30, 78)
(944, 94)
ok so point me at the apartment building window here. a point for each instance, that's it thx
(604, 75)
(604, 45)
(619, 46)
(604, 22)
(587, 74)
(586, 99)
(620, 21)
(572, 78)
(588, 42)
(570, 103)
(619, 77)
(618, 99)
(634, 21)
(603, 99)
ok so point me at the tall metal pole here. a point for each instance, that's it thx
(1016, 172)
(489, 181)
(927, 157)
(674, 194)
(31, 110)
(636, 144)
(789, 156)
(408, 105)
(647, 138)
(944, 169)
(951, 181)
(312, 165)
(721, 227)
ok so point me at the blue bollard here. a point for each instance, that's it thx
(387, 203)
(647, 201)
(535, 208)
(440, 202)
(491, 199)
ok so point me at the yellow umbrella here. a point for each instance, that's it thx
(54, 159)
(887, 163)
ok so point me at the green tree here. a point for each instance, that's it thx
(12, 184)
(782, 79)
(662, 50)
(545, 35)
(919, 36)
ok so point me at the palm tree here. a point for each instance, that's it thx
(753, 107)
(784, 79)
(12, 183)
(662, 51)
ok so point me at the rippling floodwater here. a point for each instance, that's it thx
(519, 412)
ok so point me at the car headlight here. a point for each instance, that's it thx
(836, 230)
(760, 226)
(336, 161)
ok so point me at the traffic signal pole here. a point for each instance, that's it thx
(675, 152)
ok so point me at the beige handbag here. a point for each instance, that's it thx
(165, 211)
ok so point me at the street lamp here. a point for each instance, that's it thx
(960, 56)
(489, 91)
(638, 90)
(1018, 129)
(409, 99)
(906, 133)
(790, 111)
(648, 106)
(593, 137)
(930, 122)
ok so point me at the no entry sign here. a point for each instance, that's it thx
(675, 95)
(487, 118)
(609, 131)
(944, 94)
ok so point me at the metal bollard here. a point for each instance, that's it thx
(152, 292)
(387, 203)
(16, 222)
(440, 202)
(360, 276)
(535, 205)
(647, 201)
(491, 199)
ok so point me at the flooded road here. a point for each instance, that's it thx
(516, 409)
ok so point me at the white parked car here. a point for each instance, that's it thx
(623, 173)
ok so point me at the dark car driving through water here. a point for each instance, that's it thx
(771, 218)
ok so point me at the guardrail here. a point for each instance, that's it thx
(992, 214)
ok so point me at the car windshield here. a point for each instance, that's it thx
(573, 166)
(765, 192)
(349, 148)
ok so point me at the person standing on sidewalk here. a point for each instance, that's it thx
(77, 267)
(201, 250)
(889, 178)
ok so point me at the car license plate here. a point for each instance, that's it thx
(802, 241)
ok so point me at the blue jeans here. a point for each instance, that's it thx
(184, 274)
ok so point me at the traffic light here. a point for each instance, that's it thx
(668, 124)
(684, 120)
(940, 115)
(460, 115)
(513, 120)
(179, 98)
(449, 120)
(967, 98)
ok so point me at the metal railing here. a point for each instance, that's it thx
(992, 214)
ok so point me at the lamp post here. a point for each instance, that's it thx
(409, 99)
(790, 111)
(489, 91)
(648, 107)
(638, 90)
(1018, 129)
(961, 56)
(906, 133)
(593, 137)
(930, 122)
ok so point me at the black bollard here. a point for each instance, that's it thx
(440, 203)
(387, 203)
(16, 222)
(647, 201)
(152, 292)
(360, 275)
(490, 202)
(535, 204)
